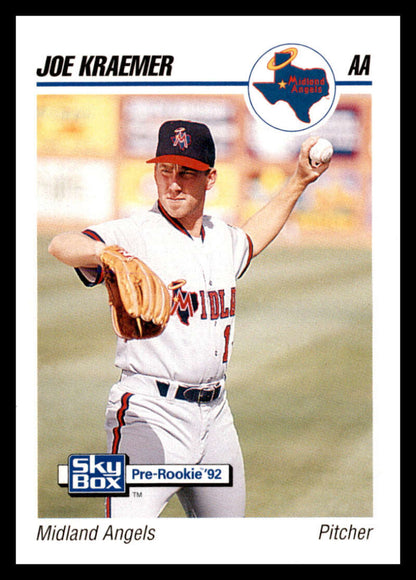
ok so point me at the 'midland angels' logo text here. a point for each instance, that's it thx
(306, 85)
(68, 533)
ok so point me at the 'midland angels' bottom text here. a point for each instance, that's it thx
(68, 533)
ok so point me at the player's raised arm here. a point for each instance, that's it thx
(76, 249)
(265, 225)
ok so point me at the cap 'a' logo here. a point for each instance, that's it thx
(181, 139)
(292, 87)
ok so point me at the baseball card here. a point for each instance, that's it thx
(207, 322)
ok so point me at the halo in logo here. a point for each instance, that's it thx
(292, 87)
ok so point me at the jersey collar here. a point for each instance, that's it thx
(177, 224)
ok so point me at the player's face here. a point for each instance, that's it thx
(181, 190)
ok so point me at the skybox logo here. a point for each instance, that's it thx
(96, 474)
(292, 87)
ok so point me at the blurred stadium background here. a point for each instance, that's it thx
(300, 376)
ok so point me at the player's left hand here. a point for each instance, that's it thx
(304, 170)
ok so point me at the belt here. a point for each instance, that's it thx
(192, 394)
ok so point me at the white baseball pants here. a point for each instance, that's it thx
(154, 429)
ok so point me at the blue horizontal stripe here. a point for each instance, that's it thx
(353, 83)
(142, 84)
(169, 83)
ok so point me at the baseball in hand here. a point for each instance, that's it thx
(321, 152)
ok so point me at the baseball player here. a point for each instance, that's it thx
(170, 404)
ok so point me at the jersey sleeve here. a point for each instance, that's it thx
(91, 276)
(116, 232)
(242, 250)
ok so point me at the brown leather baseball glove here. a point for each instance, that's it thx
(140, 302)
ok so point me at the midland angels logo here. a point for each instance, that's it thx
(181, 139)
(292, 87)
(184, 305)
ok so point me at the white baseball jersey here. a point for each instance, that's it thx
(197, 342)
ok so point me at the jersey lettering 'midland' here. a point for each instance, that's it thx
(197, 342)
(210, 305)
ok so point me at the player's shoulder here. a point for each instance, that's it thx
(143, 218)
(219, 224)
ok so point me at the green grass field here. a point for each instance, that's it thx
(299, 382)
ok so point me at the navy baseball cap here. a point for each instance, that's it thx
(185, 143)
